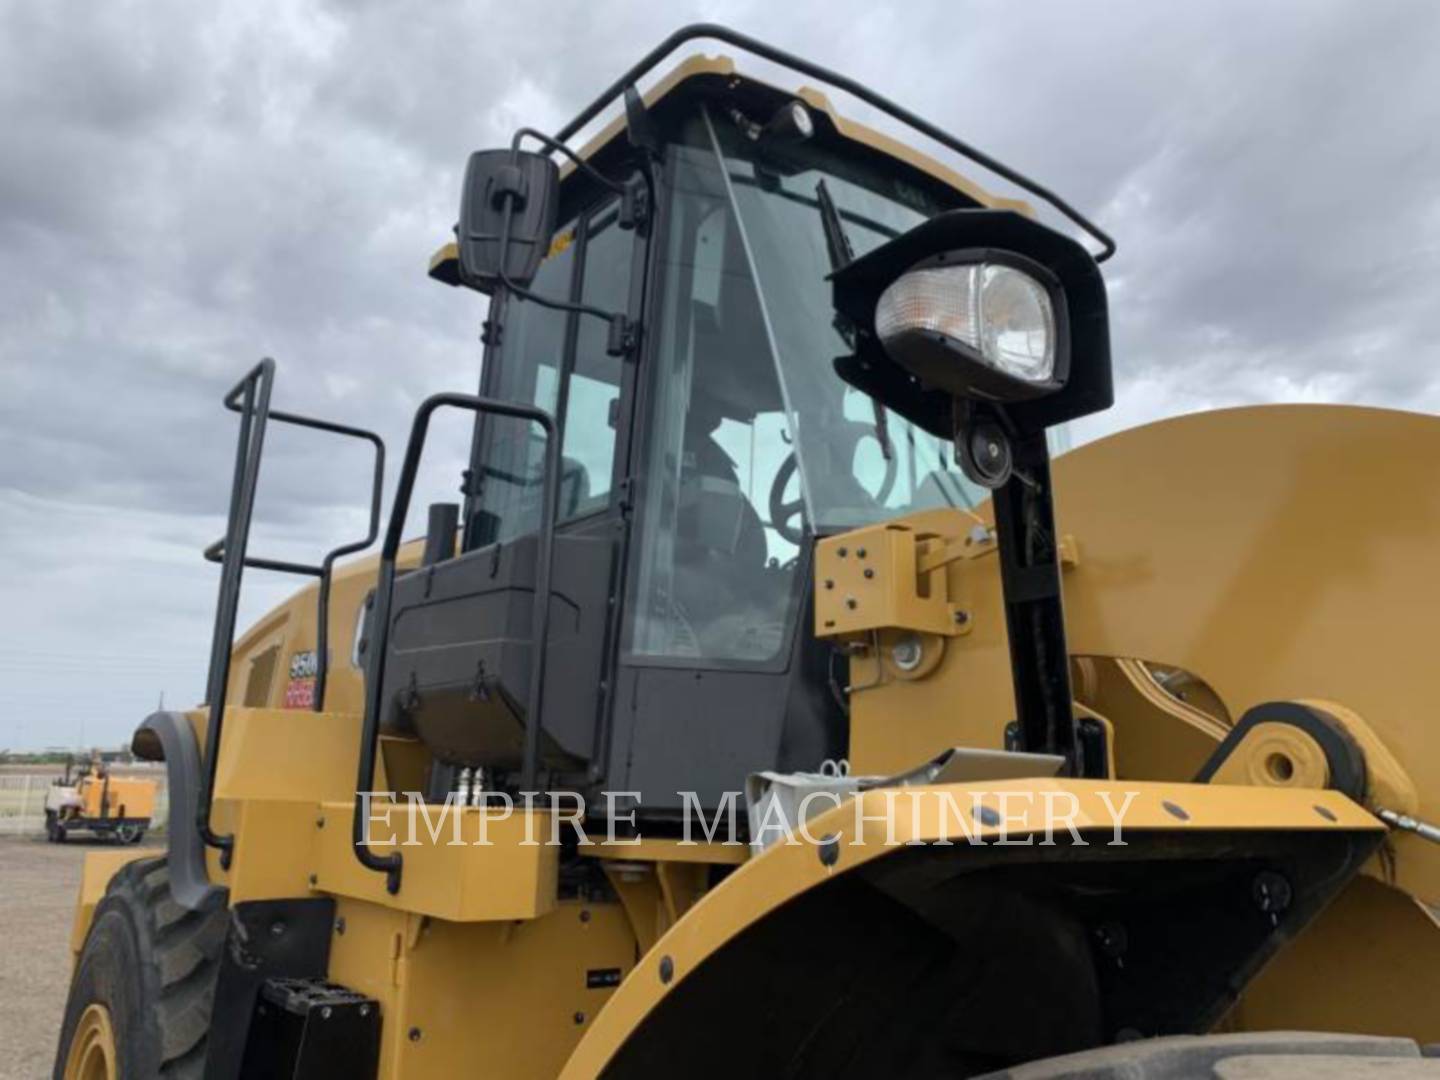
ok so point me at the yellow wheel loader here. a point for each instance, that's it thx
(733, 725)
(95, 801)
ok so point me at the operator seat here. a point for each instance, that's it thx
(720, 545)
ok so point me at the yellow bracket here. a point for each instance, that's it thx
(886, 577)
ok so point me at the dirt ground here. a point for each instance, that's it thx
(38, 886)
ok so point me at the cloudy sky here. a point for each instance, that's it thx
(186, 187)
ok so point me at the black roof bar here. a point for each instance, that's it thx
(840, 82)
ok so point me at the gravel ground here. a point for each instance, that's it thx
(38, 886)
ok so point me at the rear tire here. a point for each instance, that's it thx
(152, 965)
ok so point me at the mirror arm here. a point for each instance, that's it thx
(558, 147)
(621, 334)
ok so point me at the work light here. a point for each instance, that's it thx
(987, 325)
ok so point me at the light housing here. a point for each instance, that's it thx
(928, 355)
(991, 313)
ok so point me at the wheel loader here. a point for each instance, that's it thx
(94, 801)
(774, 701)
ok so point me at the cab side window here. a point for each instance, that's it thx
(555, 360)
(592, 400)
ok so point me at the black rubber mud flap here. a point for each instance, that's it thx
(168, 736)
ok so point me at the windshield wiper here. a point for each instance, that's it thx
(841, 256)
(836, 242)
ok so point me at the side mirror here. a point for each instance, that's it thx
(507, 211)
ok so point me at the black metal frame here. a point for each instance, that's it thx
(250, 397)
(1034, 610)
(392, 863)
(716, 32)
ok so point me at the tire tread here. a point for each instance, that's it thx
(179, 959)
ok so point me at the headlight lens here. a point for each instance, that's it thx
(1002, 314)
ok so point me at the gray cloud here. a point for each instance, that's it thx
(187, 189)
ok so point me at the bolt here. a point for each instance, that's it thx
(829, 584)
(326, 1012)
(667, 969)
(364, 1010)
(859, 553)
(414, 1034)
(829, 851)
(320, 823)
(579, 1018)
(851, 603)
(1175, 810)
(584, 914)
(961, 618)
(1112, 939)
(1272, 894)
(314, 880)
(907, 653)
(340, 925)
(276, 929)
(842, 552)
(869, 572)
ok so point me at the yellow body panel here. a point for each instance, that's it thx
(496, 999)
(1368, 965)
(483, 866)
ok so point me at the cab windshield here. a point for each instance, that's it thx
(752, 441)
(858, 462)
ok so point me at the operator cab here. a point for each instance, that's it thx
(698, 462)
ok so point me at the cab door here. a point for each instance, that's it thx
(461, 640)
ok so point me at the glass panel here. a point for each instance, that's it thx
(592, 403)
(714, 580)
(512, 456)
(860, 463)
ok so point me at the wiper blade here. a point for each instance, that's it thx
(841, 256)
(836, 242)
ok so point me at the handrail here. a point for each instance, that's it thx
(250, 397)
(215, 552)
(391, 864)
(841, 82)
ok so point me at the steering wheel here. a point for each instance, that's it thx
(782, 512)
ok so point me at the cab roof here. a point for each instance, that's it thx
(701, 75)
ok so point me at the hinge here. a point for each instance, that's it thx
(635, 204)
(625, 496)
(624, 336)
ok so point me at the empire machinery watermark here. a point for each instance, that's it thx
(886, 816)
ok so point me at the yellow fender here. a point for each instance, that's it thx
(901, 921)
